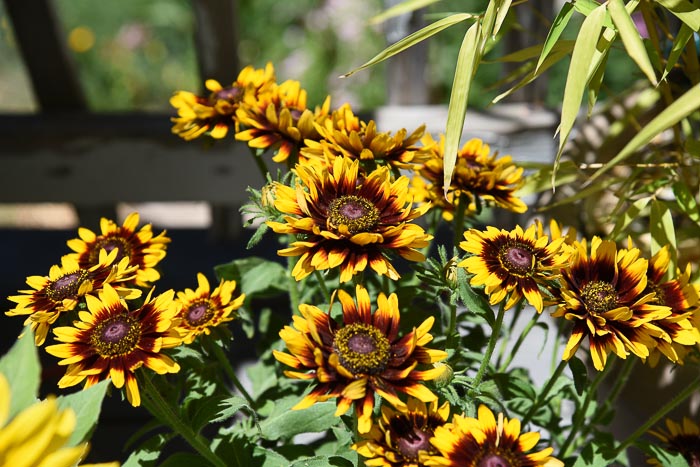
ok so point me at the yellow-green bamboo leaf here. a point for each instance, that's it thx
(578, 75)
(681, 39)
(631, 39)
(408, 6)
(586, 7)
(558, 26)
(540, 180)
(413, 39)
(631, 214)
(674, 113)
(501, 12)
(684, 10)
(662, 230)
(466, 62)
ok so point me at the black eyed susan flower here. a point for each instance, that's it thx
(678, 334)
(143, 249)
(203, 309)
(488, 442)
(280, 120)
(214, 114)
(682, 438)
(39, 435)
(605, 295)
(360, 358)
(513, 264)
(110, 341)
(479, 177)
(65, 286)
(401, 438)
(345, 135)
(348, 221)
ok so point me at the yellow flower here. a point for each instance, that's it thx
(37, 436)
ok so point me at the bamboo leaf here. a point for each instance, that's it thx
(586, 7)
(408, 6)
(457, 110)
(501, 13)
(678, 110)
(413, 39)
(686, 201)
(684, 10)
(596, 81)
(558, 26)
(682, 38)
(581, 60)
(631, 39)
(630, 215)
(662, 230)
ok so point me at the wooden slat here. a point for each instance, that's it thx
(42, 45)
(216, 39)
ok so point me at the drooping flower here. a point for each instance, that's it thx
(110, 341)
(347, 220)
(143, 249)
(682, 438)
(513, 264)
(215, 113)
(360, 358)
(678, 334)
(65, 286)
(39, 435)
(401, 438)
(345, 135)
(203, 309)
(479, 178)
(488, 442)
(605, 295)
(280, 120)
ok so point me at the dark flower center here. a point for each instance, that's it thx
(411, 436)
(108, 244)
(599, 296)
(493, 460)
(355, 212)
(198, 313)
(660, 294)
(517, 259)
(362, 348)
(115, 336)
(66, 286)
(232, 94)
(688, 446)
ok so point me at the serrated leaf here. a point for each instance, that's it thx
(87, 405)
(402, 8)
(591, 457)
(679, 42)
(474, 301)
(412, 39)
(632, 213)
(558, 26)
(662, 230)
(285, 423)
(21, 367)
(457, 109)
(579, 73)
(686, 201)
(271, 458)
(685, 11)
(148, 453)
(229, 407)
(631, 39)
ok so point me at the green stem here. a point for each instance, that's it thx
(452, 326)
(160, 409)
(517, 312)
(621, 380)
(230, 372)
(495, 332)
(544, 393)
(662, 412)
(260, 163)
(580, 415)
(322, 284)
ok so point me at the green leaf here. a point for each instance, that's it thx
(148, 453)
(255, 276)
(591, 457)
(586, 7)
(320, 461)
(580, 374)
(21, 367)
(631, 39)
(230, 407)
(502, 9)
(675, 112)
(685, 11)
(262, 376)
(182, 459)
(632, 213)
(457, 109)
(579, 72)
(686, 201)
(474, 301)
(679, 42)
(596, 80)
(662, 230)
(413, 39)
(271, 458)
(285, 423)
(86, 405)
(664, 457)
(558, 26)
(402, 8)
